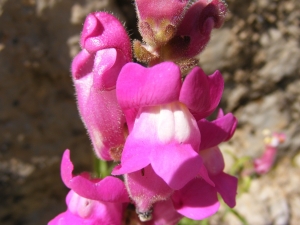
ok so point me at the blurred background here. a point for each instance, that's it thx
(257, 51)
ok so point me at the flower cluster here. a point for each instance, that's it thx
(150, 119)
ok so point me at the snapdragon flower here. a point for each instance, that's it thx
(161, 126)
(106, 49)
(152, 119)
(264, 163)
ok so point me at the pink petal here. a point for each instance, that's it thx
(176, 164)
(82, 64)
(213, 160)
(164, 213)
(84, 211)
(104, 66)
(135, 156)
(204, 174)
(66, 218)
(109, 189)
(156, 127)
(95, 77)
(145, 188)
(263, 164)
(201, 93)
(217, 131)
(226, 185)
(197, 200)
(101, 31)
(138, 86)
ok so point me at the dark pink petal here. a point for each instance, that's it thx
(201, 93)
(198, 23)
(145, 188)
(95, 76)
(101, 31)
(217, 131)
(226, 185)
(176, 164)
(213, 160)
(138, 86)
(197, 200)
(109, 189)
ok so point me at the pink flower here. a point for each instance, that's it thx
(158, 19)
(163, 132)
(106, 48)
(91, 201)
(263, 164)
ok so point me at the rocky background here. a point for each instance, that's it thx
(257, 50)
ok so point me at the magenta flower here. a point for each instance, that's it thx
(106, 48)
(263, 164)
(91, 201)
(163, 132)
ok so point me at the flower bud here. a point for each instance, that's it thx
(106, 49)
